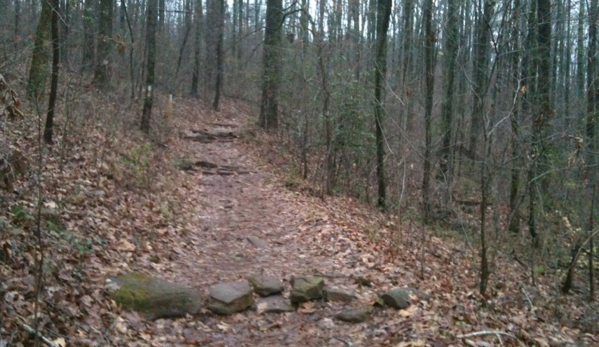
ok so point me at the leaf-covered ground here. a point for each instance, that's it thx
(114, 201)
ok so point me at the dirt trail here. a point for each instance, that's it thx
(224, 216)
(246, 224)
(239, 220)
(237, 207)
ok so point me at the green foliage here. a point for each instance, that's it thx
(138, 162)
(141, 156)
(540, 270)
(21, 215)
(353, 129)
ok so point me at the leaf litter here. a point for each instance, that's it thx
(116, 204)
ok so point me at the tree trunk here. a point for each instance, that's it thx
(580, 76)
(542, 123)
(383, 14)
(429, 60)
(161, 14)
(406, 60)
(188, 26)
(17, 26)
(150, 64)
(543, 113)
(485, 179)
(304, 28)
(197, 48)
(88, 57)
(38, 71)
(64, 31)
(514, 219)
(54, 83)
(219, 54)
(236, 6)
(102, 70)
(371, 16)
(591, 128)
(592, 89)
(356, 37)
(481, 60)
(567, 65)
(451, 44)
(240, 30)
(271, 65)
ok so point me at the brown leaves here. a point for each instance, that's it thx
(120, 204)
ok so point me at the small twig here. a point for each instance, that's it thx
(486, 332)
(532, 307)
(39, 335)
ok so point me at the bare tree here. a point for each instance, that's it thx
(150, 64)
(271, 77)
(88, 56)
(102, 69)
(383, 14)
(197, 46)
(481, 62)
(451, 49)
(48, 128)
(429, 61)
(38, 71)
(219, 54)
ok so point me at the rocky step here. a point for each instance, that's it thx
(157, 298)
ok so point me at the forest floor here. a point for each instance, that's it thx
(114, 202)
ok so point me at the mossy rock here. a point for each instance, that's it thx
(152, 297)
(306, 289)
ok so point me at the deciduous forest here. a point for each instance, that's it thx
(299, 172)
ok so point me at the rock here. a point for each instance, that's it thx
(230, 297)
(265, 285)
(274, 304)
(185, 165)
(306, 289)
(206, 164)
(153, 297)
(338, 294)
(258, 243)
(355, 315)
(398, 298)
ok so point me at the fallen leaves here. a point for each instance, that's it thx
(116, 214)
(124, 245)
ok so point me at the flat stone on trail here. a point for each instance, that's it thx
(265, 285)
(230, 297)
(274, 304)
(398, 298)
(151, 297)
(306, 289)
(355, 315)
(256, 242)
(338, 294)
